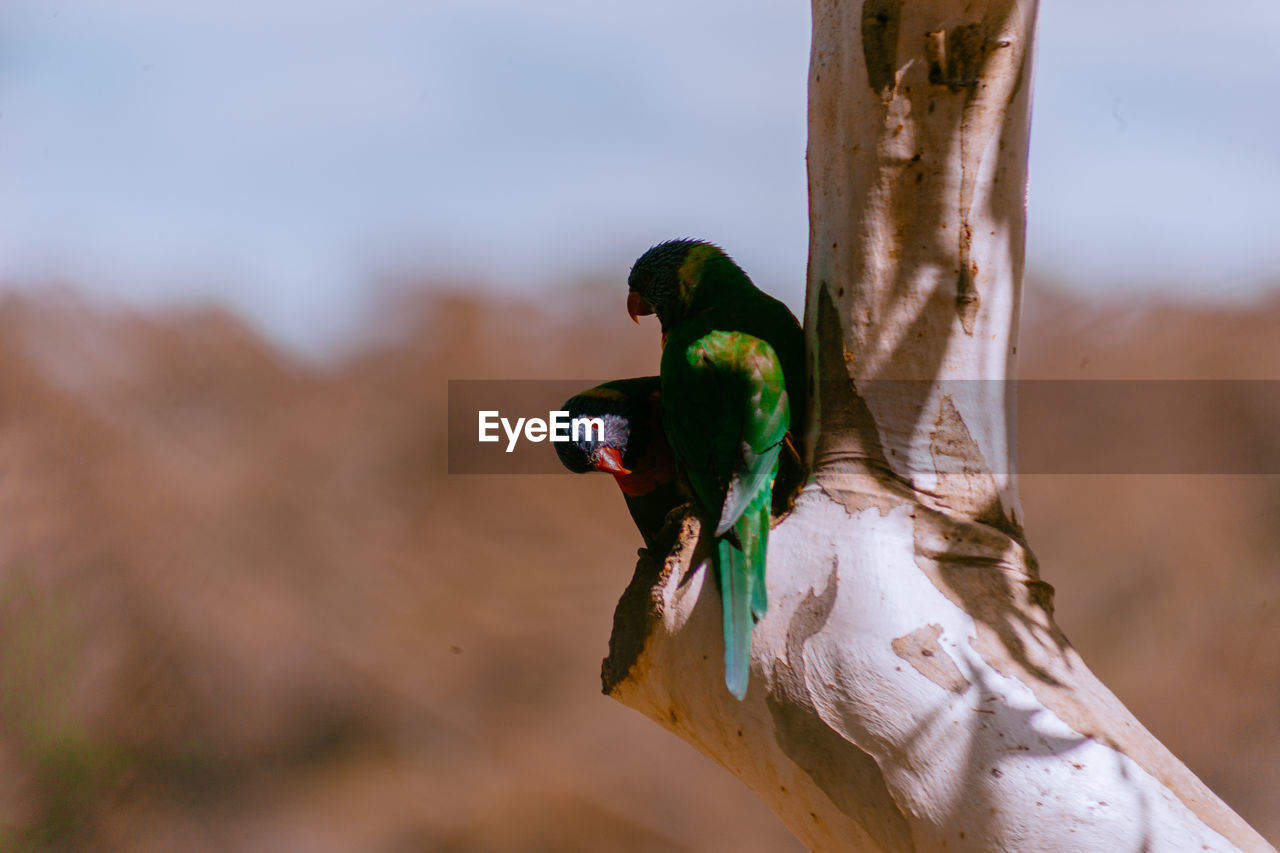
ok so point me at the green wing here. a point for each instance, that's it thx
(725, 411)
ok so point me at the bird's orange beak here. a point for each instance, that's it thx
(610, 460)
(637, 307)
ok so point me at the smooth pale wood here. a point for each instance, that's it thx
(909, 688)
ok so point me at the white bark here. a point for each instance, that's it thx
(909, 688)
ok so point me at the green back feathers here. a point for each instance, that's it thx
(731, 413)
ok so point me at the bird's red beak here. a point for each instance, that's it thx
(637, 307)
(608, 459)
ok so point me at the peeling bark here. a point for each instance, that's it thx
(909, 688)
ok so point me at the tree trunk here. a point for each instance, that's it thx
(909, 687)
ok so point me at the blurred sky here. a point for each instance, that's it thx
(282, 155)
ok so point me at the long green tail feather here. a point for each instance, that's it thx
(742, 590)
(735, 596)
(758, 538)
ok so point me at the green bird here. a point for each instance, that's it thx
(731, 355)
(632, 447)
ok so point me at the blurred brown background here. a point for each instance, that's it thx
(243, 607)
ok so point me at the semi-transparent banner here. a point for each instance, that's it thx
(1063, 426)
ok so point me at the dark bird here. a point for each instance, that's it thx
(633, 448)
